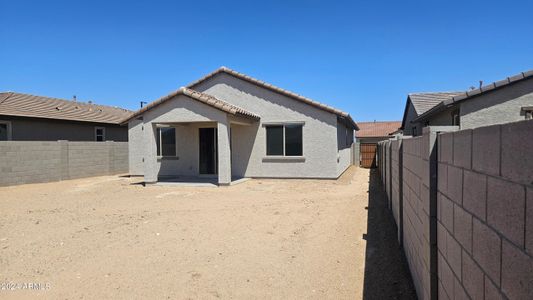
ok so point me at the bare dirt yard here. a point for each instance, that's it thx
(107, 237)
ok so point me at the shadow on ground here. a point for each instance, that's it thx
(386, 272)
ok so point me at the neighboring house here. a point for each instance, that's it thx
(26, 117)
(416, 105)
(367, 137)
(504, 101)
(229, 125)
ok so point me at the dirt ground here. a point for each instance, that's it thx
(107, 237)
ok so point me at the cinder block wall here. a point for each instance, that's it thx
(24, 162)
(485, 220)
(416, 216)
(484, 211)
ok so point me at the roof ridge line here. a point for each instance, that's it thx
(216, 98)
(66, 100)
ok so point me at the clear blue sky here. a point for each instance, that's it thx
(360, 56)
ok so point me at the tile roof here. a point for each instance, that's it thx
(25, 105)
(462, 96)
(377, 129)
(278, 90)
(198, 96)
(426, 101)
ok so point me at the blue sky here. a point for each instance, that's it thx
(360, 56)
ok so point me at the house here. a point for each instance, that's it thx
(500, 102)
(229, 125)
(419, 103)
(25, 117)
(367, 137)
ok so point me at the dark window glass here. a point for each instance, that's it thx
(100, 136)
(456, 120)
(166, 141)
(3, 132)
(293, 140)
(274, 140)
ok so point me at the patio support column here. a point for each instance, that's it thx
(224, 153)
(149, 155)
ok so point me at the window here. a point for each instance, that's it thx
(528, 112)
(5, 131)
(414, 131)
(284, 140)
(99, 134)
(349, 136)
(456, 119)
(166, 141)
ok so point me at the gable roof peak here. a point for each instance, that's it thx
(341, 114)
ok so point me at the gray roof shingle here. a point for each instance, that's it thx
(423, 102)
(26, 105)
(463, 96)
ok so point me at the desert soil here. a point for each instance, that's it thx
(107, 237)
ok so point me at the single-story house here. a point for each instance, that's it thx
(229, 125)
(419, 103)
(367, 137)
(500, 102)
(25, 117)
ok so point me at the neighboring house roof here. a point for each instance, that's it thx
(377, 129)
(278, 90)
(423, 102)
(25, 105)
(426, 101)
(198, 96)
(463, 96)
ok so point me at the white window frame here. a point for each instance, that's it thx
(96, 134)
(8, 123)
(158, 132)
(265, 125)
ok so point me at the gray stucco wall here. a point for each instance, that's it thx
(320, 147)
(344, 150)
(34, 129)
(497, 107)
(179, 109)
(410, 116)
(444, 118)
(325, 153)
(136, 149)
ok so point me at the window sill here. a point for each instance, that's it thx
(284, 159)
(160, 158)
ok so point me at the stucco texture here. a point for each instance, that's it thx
(241, 142)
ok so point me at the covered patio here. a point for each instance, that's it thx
(189, 139)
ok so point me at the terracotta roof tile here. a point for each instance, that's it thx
(25, 105)
(198, 96)
(377, 129)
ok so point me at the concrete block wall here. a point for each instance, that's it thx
(23, 162)
(416, 213)
(485, 200)
(395, 184)
(468, 221)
